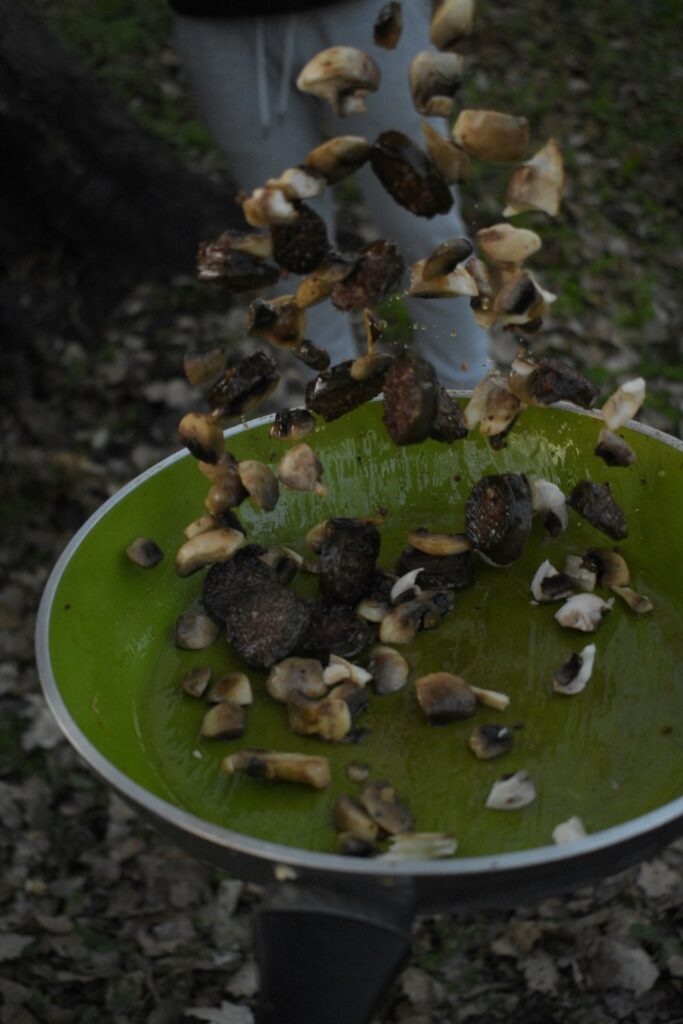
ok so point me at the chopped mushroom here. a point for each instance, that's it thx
(321, 282)
(582, 575)
(202, 436)
(292, 425)
(420, 846)
(359, 676)
(280, 321)
(195, 631)
(504, 244)
(225, 721)
(549, 501)
(376, 273)
(405, 586)
(243, 386)
(511, 792)
(402, 625)
(280, 767)
(339, 157)
(498, 517)
(445, 697)
(145, 552)
(386, 808)
(261, 484)
(490, 135)
(311, 355)
(623, 405)
(452, 162)
(296, 675)
(350, 817)
(583, 612)
(329, 718)
(266, 206)
(595, 503)
(435, 79)
(488, 741)
(451, 20)
(550, 585)
(342, 75)
(548, 381)
(299, 183)
(409, 176)
(204, 366)
(610, 566)
(206, 549)
(196, 680)
(235, 687)
(638, 603)
(613, 450)
(335, 392)
(538, 184)
(388, 25)
(389, 670)
(221, 263)
(492, 406)
(456, 282)
(356, 771)
(572, 677)
(301, 469)
(569, 831)
(491, 698)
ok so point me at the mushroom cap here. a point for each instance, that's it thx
(343, 75)
(503, 243)
(435, 78)
(339, 157)
(491, 135)
(451, 20)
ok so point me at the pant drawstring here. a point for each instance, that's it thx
(288, 61)
(262, 77)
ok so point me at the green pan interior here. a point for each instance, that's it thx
(608, 754)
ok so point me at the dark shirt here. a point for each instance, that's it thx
(243, 8)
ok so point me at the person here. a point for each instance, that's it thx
(242, 58)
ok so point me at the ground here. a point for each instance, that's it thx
(100, 918)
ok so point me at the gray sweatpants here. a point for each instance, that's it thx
(243, 71)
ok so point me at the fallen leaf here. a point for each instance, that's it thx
(12, 945)
(617, 965)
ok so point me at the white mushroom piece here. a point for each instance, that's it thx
(266, 206)
(145, 552)
(260, 484)
(340, 670)
(280, 321)
(349, 817)
(420, 846)
(583, 612)
(339, 157)
(488, 741)
(435, 79)
(301, 469)
(491, 698)
(444, 274)
(202, 435)
(196, 680)
(569, 831)
(329, 718)
(522, 301)
(490, 135)
(235, 687)
(451, 20)
(550, 585)
(623, 405)
(583, 575)
(507, 245)
(389, 669)
(510, 792)
(492, 406)
(207, 549)
(452, 162)
(549, 501)
(299, 183)
(296, 675)
(276, 766)
(572, 677)
(538, 184)
(225, 721)
(195, 631)
(343, 76)
(613, 450)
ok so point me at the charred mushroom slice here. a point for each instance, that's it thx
(538, 184)
(207, 548)
(388, 26)
(353, 695)
(409, 176)
(402, 625)
(549, 381)
(511, 792)
(296, 675)
(341, 669)
(613, 450)
(389, 669)
(334, 628)
(292, 425)
(260, 483)
(490, 135)
(492, 406)
(311, 355)
(569, 831)
(498, 517)
(550, 585)
(449, 423)
(244, 386)
(583, 612)
(301, 469)
(343, 76)
(234, 687)
(452, 162)
(279, 321)
(264, 625)
(335, 392)
(377, 273)
(445, 698)
(145, 552)
(623, 405)
(445, 570)
(488, 741)
(196, 681)
(330, 718)
(225, 721)
(451, 20)
(225, 582)
(406, 587)
(575, 672)
(410, 398)
(351, 818)
(339, 157)
(280, 767)
(421, 846)
(303, 246)
(219, 263)
(202, 436)
(319, 285)
(435, 79)
(504, 244)
(595, 503)
(347, 560)
(386, 808)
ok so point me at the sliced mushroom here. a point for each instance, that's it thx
(329, 718)
(498, 517)
(420, 846)
(583, 612)
(610, 566)
(549, 381)
(339, 157)
(623, 405)
(311, 355)
(451, 20)
(225, 721)
(386, 808)
(221, 263)
(389, 670)
(334, 628)
(488, 741)
(490, 135)
(406, 586)
(335, 392)
(569, 831)
(145, 552)
(538, 184)
(196, 680)
(292, 425)
(504, 244)
(264, 624)
(195, 631)
(320, 284)
(206, 549)
(638, 603)
(375, 275)
(202, 436)
(492, 406)
(572, 677)
(550, 585)
(299, 183)
(260, 483)
(549, 501)
(266, 206)
(357, 771)
(225, 494)
(353, 695)
(388, 26)
(583, 575)
(343, 76)
(445, 286)
(445, 697)
(522, 302)
(358, 675)
(204, 366)
(234, 687)
(280, 767)
(350, 817)
(613, 450)
(300, 470)
(595, 503)
(201, 525)
(402, 625)
(303, 246)
(435, 79)
(410, 398)
(296, 675)
(347, 560)
(452, 162)
(491, 698)
(278, 320)
(409, 176)
(511, 792)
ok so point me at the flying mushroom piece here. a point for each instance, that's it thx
(260, 483)
(623, 405)
(202, 436)
(206, 549)
(311, 355)
(498, 517)
(409, 176)
(278, 320)
(595, 503)
(221, 263)
(203, 366)
(292, 425)
(538, 184)
(299, 183)
(342, 75)
(451, 20)
(504, 244)
(435, 79)
(226, 492)
(266, 206)
(243, 386)
(319, 284)
(492, 406)
(373, 360)
(613, 450)
(453, 284)
(377, 273)
(388, 26)
(339, 157)
(303, 246)
(522, 302)
(490, 135)
(549, 501)
(301, 469)
(452, 162)
(548, 381)
(334, 392)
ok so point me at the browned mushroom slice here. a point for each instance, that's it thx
(448, 424)
(549, 381)
(195, 631)
(206, 549)
(347, 560)
(447, 286)
(613, 450)
(145, 552)
(410, 398)
(335, 392)
(244, 386)
(225, 582)
(334, 628)
(267, 206)
(403, 623)
(339, 157)
(254, 243)
(264, 624)
(389, 669)
(452, 162)
(454, 569)
(488, 741)
(451, 20)
(196, 680)
(353, 695)
(538, 184)
(311, 355)
(595, 503)
(505, 244)
(357, 771)
(280, 767)
(492, 406)
(299, 183)
(278, 320)
(343, 76)
(377, 272)
(260, 483)
(388, 26)
(446, 257)
(226, 492)
(435, 79)
(330, 718)
(386, 807)
(225, 721)
(490, 135)
(319, 285)
(610, 567)
(301, 469)
(296, 675)
(292, 425)
(350, 817)
(204, 366)
(376, 604)
(638, 603)
(623, 405)
(498, 517)
(300, 247)
(409, 176)
(445, 697)
(234, 687)
(219, 263)
(202, 436)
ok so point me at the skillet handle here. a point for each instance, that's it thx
(328, 956)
